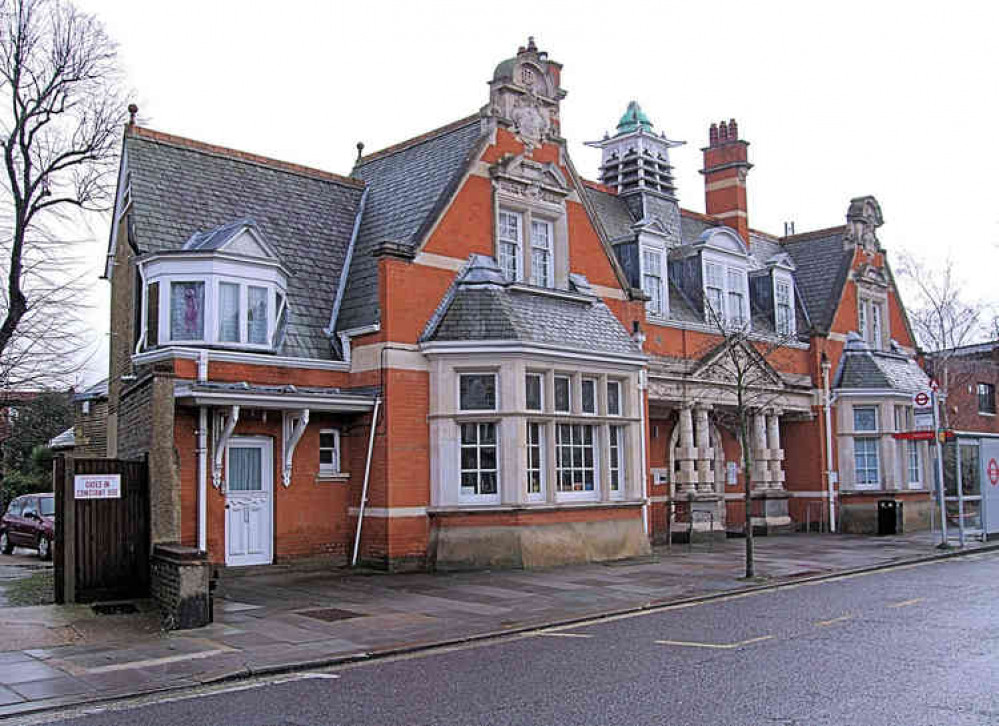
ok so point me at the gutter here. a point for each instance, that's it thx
(345, 270)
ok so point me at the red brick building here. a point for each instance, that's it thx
(519, 366)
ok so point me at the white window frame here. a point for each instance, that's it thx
(728, 271)
(619, 433)
(541, 389)
(206, 317)
(582, 400)
(333, 467)
(478, 497)
(496, 391)
(872, 319)
(568, 379)
(518, 242)
(655, 277)
(784, 281)
(574, 494)
(542, 468)
(620, 399)
(867, 441)
(549, 278)
(914, 465)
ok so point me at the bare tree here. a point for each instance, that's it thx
(60, 126)
(743, 364)
(942, 319)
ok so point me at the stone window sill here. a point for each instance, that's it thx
(332, 477)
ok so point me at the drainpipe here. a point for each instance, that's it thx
(826, 404)
(364, 488)
(143, 312)
(642, 387)
(203, 479)
(202, 458)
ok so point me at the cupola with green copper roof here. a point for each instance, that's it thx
(633, 119)
(636, 158)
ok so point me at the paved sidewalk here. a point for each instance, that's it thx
(56, 656)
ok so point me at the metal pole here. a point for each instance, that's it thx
(940, 471)
(367, 474)
(829, 463)
(960, 495)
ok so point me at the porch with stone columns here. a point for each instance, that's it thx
(770, 499)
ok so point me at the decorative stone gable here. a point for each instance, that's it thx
(524, 178)
(524, 96)
(862, 220)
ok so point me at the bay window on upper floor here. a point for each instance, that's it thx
(228, 293)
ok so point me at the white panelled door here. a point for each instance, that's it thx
(249, 511)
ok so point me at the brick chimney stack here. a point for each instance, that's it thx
(726, 163)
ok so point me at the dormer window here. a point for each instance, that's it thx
(654, 281)
(783, 307)
(725, 295)
(225, 288)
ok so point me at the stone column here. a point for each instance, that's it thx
(775, 450)
(705, 477)
(761, 468)
(686, 454)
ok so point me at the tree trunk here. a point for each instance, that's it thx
(747, 480)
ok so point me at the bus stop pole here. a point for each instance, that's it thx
(940, 470)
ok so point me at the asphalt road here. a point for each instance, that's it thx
(918, 645)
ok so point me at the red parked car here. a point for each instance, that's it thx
(29, 522)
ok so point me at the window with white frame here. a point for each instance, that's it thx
(256, 315)
(510, 243)
(563, 398)
(986, 398)
(613, 398)
(534, 391)
(653, 281)
(714, 293)
(535, 459)
(228, 312)
(477, 391)
(575, 458)
(187, 310)
(479, 460)
(915, 470)
(783, 307)
(541, 252)
(329, 451)
(736, 311)
(865, 448)
(588, 394)
(615, 452)
(871, 319)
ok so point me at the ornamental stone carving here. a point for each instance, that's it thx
(524, 95)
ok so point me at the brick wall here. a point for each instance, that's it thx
(91, 430)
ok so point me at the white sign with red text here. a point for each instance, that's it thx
(97, 486)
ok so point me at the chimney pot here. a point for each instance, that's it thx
(723, 132)
(713, 135)
(733, 130)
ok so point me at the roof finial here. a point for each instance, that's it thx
(531, 47)
(360, 150)
(132, 110)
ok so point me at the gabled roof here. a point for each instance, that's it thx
(217, 238)
(481, 306)
(409, 184)
(822, 267)
(181, 187)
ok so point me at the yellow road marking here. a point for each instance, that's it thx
(840, 619)
(716, 646)
(907, 603)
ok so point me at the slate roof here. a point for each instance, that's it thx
(612, 211)
(408, 185)
(180, 187)
(860, 368)
(214, 239)
(822, 266)
(481, 306)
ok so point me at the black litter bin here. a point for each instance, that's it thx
(889, 517)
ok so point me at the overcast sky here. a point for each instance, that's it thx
(837, 100)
